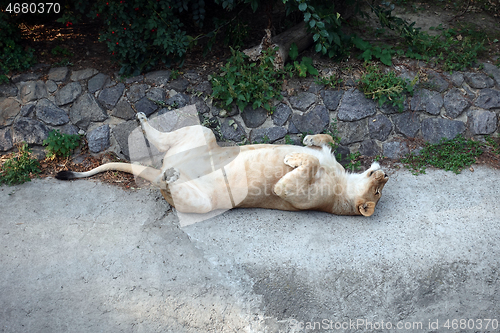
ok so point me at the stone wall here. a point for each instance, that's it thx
(103, 108)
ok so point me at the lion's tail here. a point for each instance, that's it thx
(148, 173)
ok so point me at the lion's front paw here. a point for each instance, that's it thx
(171, 175)
(318, 140)
(309, 141)
(293, 160)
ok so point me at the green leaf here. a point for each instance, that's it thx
(303, 7)
(307, 16)
(294, 51)
(336, 39)
(312, 23)
(318, 47)
(316, 37)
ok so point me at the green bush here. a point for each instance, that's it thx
(243, 82)
(386, 88)
(60, 144)
(13, 57)
(20, 168)
(450, 155)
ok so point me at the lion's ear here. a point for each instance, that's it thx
(367, 208)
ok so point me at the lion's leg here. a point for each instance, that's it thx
(155, 137)
(318, 140)
(295, 187)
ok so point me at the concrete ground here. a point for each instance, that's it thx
(83, 256)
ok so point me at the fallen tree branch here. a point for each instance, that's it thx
(282, 42)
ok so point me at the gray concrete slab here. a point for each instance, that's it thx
(83, 256)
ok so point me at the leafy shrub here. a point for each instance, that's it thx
(13, 57)
(142, 34)
(450, 155)
(59, 144)
(242, 82)
(385, 88)
(20, 168)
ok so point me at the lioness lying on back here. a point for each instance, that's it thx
(199, 176)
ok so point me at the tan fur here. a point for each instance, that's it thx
(199, 176)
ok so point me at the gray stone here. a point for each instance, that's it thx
(98, 139)
(488, 99)
(136, 92)
(231, 129)
(493, 71)
(8, 90)
(85, 110)
(51, 86)
(146, 106)
(315, 88)
(426, 100)
(134, 79)
(5, 139)
(200, 104)
(58, 74)
(29, 130)
(483, 122)
(191, 75)
(437, 82)
(302, 101)
(259, 135)
(156, 94)
(407, 123)
(312, 122)
(203, 87)
(110, 96)
(179, 85)
(457, 79)
(343, 152)
(353, 131)
(157, 77)
(395, 149)
(292, 128)
(68, 93)
(177, 101)
(391, 109)
(479, 80)
(68, 129)
(369, 148)
(27, 109)
(380, 127)
(9, 109)
(253, 118)
(281, 114)
(276, 133)
(32, 90)
(97, 82)
(23, 77)
(355, 106)
(83, 74)
(123, 110)
(455, 103)
(121, 133)
(433, 130)
(331, 98)
(50, 114)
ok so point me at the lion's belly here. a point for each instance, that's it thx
(252, 176)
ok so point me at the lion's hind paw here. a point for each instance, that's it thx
(141, 116)
(171, 175)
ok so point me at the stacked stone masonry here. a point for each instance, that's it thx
(103, 108)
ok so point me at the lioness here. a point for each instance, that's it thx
(199, 176)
